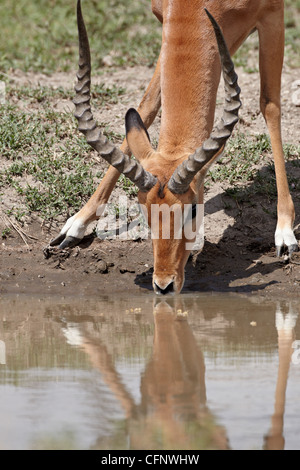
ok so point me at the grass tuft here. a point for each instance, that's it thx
(41, 35)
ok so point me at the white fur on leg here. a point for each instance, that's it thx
(77, 228)
(74, 227)
(285, 236)
(67, 225)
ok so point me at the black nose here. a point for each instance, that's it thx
(167, 290)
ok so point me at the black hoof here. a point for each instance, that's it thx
(56, 241)
(69, 242)
(293, 249)
(278, 251)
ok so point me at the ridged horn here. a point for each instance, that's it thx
(183, 175)
(86, 124)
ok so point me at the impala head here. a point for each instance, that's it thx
(170, 215)
(168, 186)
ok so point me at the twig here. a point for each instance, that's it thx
(26, 234)
(8, 222)
(16, 229)
(17, 226)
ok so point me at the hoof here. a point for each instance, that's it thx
(69, 242)
(278, 251)
(293, 249)
(57, 240)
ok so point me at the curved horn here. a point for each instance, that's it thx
(184, 174)
(86, 124)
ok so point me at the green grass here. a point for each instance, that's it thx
(39, 94)
(240, 163)
(101, 94)
(49, 167)
(292, 32)
(248, 170)
(292, 41)
(43, 159)
(41, 35)
(44, 150)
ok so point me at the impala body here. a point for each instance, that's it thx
(184, 86)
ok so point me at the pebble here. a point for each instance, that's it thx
(101, 267)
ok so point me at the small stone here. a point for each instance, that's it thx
(124, 270)
(101, 267)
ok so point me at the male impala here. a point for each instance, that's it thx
(185, 85)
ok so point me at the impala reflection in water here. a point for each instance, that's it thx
(188, 373)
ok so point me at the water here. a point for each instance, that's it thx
(199, 372)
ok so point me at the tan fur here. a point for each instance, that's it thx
(185, 85)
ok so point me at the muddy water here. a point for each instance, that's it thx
(199, 372)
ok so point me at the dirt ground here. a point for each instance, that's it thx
(238, 254)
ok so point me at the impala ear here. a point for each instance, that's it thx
(137, 136)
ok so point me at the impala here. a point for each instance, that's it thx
(184, 86)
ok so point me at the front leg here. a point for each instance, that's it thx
(271, 35)
(74, 229)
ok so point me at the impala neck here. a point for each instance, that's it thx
(190, 73)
